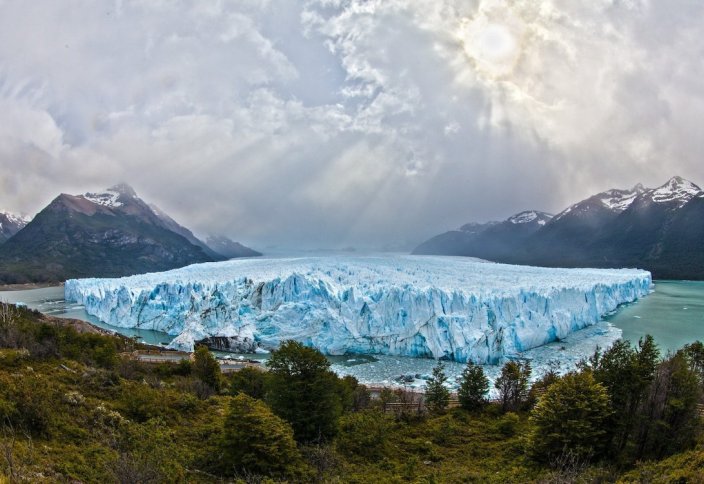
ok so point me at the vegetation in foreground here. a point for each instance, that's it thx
(73, 409)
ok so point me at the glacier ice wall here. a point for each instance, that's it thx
(441, 307)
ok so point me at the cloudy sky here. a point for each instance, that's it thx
(326, 123)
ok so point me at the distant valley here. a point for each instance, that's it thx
(659, 229)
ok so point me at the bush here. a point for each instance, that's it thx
(257, 441)
(141, 403)
(508, 423)
(27, 404)
(13, 358)
(207, 369)
(571, 417)
(540, 387)
(364, 434)
(250, 381)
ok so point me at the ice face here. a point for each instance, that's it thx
(440, 307)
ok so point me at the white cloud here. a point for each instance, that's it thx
(326, 122)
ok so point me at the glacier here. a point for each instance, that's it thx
(451, 308)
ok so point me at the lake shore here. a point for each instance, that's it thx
(29, 286)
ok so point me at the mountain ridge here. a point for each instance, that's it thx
(106, 234)
(650, 228)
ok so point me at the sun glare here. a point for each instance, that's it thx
(492, 47)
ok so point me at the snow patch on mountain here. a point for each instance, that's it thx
(620, 200)
(111, 197)
(13, 219)
(530, 216)
(108, 198)
(677, 189)
(441, 307)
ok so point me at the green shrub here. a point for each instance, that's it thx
(250, 381)
(364, 434)
(27, 404)
(11, 358)
(207, 369)
(257, 441)
(571, 417)
(508, 423)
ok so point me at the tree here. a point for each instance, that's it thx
(302, 390)
(539, 387)
(353, 395)
(512, 384)
(571, 419)
(694, 353)
(474, 386)
(257, 441)
(437, 396)
(250, 381)
(670, 420)
(627, 373)
(206, 368)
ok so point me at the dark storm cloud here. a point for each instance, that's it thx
(331, 123)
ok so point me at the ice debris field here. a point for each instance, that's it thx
(440, 307)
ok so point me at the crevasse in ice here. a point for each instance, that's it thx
(440, 307)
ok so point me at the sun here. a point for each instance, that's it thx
(493, 47)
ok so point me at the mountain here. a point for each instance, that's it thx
(10, 224)
(170, 224)
(659, 229)
(493, 240)
(651, 232)
(562, 241)
(108, 234)
(228, 248)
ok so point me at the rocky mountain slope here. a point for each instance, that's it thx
(228, 248)
(113, 233)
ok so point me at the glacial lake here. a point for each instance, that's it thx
(673, 314)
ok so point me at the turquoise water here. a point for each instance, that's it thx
(673, 315)
(50, 300)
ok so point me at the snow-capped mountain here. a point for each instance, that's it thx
(492, 240)
(531, 216)
(113, 197)
(677, 190)
(653, 228)
(110, 233)
(10, 224)
(614, 201)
